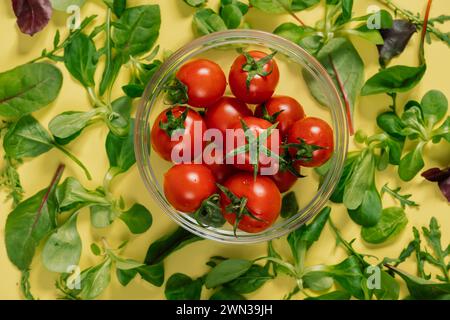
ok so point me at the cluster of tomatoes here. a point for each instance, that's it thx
(244, 197)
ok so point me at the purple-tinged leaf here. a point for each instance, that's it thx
(442, 177)
(395, 40)
(32, 15)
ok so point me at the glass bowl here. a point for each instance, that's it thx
(295, 65)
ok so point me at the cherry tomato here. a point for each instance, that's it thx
(263, 202)
(256, 126)
(161, 140)
(225, 113)
(215, 161)
(205, 82)
(282, 109)
(284, 179)
(264, 78)
(187, 185)
(314, 132)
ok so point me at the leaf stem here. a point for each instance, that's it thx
(74, 159)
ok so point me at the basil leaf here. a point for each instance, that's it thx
(422, 289)
(137, 30)
(125, 276)
(182, 287)
(95, 280)
(250, 281)
(368, 214)
(231, 15)
(28, 88)
(226, 271)
(71, 194)
(137, 218)
(63, 249)
(349, 276)
(68, 125)
(434, 107)
(195, 3)
(349, 66)
(392, 222)
(81, 58)
(226, 294)
(299, 5)
(411, 164)
(272, 6)
(207, 21)
(289, 205)
(27, 138)
(168, 244)
(120, 150)
(334, 295)
(394, 79)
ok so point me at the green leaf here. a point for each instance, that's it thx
(102, 215)
(80, 58)
(349, 66)
(62, 5)
(232, 16)
(27, 138)
(226, 271)
(422, 289)
(289, 205)
(71, 194)
(434, 107)
(206, 21)
(28, 88)
(120, 150)
(182, 287)
(391, 124)
(119, 120)
(139, 29)
(389, 287)
(272, 6)
(433, 237)
(153, 274)
(250, 281)
(226, 294)
(334, 295)
(168, 244)
(394, 79)
(137, 218)
(393, 221)
(63, 249)
(195, 3)
(125, 276)
(305, 37)
(70, 124)
(411, 163)
(317, 281)
(119, 7)
(210, 212)
(95, 280)
(299, 5)
(349, 276)
(368, 214)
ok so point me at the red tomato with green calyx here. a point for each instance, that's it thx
(168, 123)
(254, 77)
(311, 142)
(186, 186)
(259, 197)
(285, 179)
(205, 82)
(282, 109)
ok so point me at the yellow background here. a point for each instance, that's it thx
(17, 48)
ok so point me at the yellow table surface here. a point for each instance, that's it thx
(17, 48)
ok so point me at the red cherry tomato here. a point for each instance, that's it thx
(261, 86)
(288, 111)
(314, 132)
(225, 113)
(256, 127)
(215, 161)
(161, 141)
(205, 82)
(284, 179)
(263, 201)
(187, 185)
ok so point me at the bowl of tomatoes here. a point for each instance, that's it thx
(228, 137)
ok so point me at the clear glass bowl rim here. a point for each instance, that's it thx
(189, 51)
